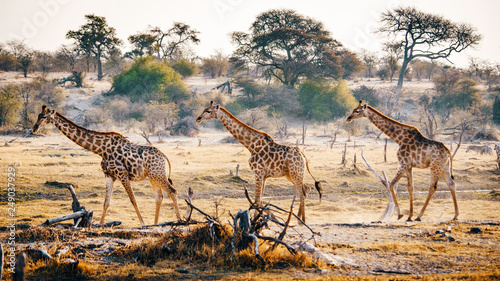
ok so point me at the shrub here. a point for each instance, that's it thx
(147, 79)
(10, 103)
(324, 101)
(185, 127)
(185, 67)
(368, 94)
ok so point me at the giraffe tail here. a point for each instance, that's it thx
(169, 171)
(451, 167)
(317, 184)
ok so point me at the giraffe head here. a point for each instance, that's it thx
(45, 117)
(358, 112)
(209, 113)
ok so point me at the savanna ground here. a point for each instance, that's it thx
(353, 198)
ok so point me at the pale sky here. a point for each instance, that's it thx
(43, 23)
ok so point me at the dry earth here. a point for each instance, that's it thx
(353, 199)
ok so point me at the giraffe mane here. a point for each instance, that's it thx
(397, 122)
(245, 125)
(88, 130)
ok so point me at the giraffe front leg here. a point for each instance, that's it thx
(398, 176)
(409, 177)
(432, 190)
(128, 188)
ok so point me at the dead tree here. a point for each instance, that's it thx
(389, 210)
(20, 268)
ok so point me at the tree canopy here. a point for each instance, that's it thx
(96, 38)
(289, 46)
(424, 35)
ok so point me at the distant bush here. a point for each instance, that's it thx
(367, 94)
(278, 98)
(324, 101)
(216, 65)
(147, 79)
(185, 67)
(453, 91)
(185, 127)
(10, 103)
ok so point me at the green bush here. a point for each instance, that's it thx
(185, 67)
(325, 101)
(147, 79)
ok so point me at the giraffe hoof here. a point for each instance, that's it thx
(400, 216)
(409, 219)
(418, 219)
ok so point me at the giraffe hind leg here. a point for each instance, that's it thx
(107, 199)
(448, 178)
(164, 184)
(158, 193)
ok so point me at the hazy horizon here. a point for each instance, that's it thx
(43, 24)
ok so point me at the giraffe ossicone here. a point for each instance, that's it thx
(121, 160)
(268, 159)
(415, 151)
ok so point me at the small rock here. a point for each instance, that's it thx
(476, 230)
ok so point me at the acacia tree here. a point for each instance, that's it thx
(289, 45)
(424, 35)
(143, 43)
(172, 43)
(96, 38)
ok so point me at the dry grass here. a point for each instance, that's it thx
(351, 195)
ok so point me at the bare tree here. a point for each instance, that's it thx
(171, 44)
(424, 35)
(23, 55)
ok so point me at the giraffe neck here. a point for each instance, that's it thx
(249, 137)
(88, 139)
(395, 130)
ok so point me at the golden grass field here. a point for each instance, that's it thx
(353, 198)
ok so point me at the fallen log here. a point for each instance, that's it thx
(108, 224)
(76, 215)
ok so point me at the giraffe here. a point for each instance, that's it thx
(415, 151)
(268, 159)
(121, 160)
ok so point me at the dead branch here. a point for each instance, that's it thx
(1, 261)
(75, 215)
(146, 137)
(189, 210)
(20, 268)
(108, 224)
(389, 210)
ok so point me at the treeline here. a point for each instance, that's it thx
(286, 65)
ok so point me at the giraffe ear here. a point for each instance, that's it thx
(364, 106)
(217, 107)
(44, 109)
